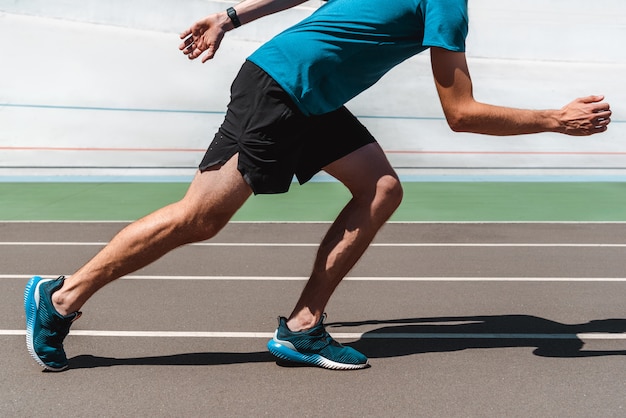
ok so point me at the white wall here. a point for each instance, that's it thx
(99, 88)
(529, 29)
(553, 30)
(154, 15)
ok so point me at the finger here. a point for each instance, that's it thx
(591, 99)
(185, 34)
(192, 51)
(211, 50)
(602, 107)
(187, 49)
(602, 115)
(188, 41)
(210, 53)
(195, 52)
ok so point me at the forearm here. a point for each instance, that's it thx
(487, 119)
(250, 10)
(584, 116)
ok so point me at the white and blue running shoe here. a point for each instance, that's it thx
(45, 327)
(315, 347)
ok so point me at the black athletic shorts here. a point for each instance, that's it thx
(274, 139)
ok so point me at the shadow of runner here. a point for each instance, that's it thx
(185, 359)
(401, 337)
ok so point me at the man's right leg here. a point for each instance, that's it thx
(376, 193)
(213, 197)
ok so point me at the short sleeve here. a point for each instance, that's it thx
(445, 24)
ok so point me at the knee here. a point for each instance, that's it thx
(194, 225)
(382, 197)
(204, 229)
(389, 193)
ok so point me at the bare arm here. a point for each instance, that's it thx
(584, 116)
(207, 33)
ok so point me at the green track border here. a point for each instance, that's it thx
(321, 201)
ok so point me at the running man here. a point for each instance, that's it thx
(286, 117)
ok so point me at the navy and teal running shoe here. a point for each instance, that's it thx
(45, 327)
(315, 347)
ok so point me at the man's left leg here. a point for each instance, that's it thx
(52, 305)
(376, 194)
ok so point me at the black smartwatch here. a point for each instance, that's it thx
(232, 13)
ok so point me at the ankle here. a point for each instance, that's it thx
(60, 303)
(302, 322)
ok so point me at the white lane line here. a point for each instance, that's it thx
(346, 335)
(290, 244)
(127, 221)
(389, 279)
(352, 279)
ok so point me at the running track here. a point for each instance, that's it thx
(460, 319)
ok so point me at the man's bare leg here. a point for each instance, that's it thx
(376, 194)
(211, 200)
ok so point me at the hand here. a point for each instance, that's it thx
(204, 35)
(585, 116)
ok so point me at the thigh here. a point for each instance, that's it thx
(362, 169)
(219, 191)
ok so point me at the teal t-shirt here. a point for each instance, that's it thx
(346, 46)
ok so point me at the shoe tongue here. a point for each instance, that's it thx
(56, 284)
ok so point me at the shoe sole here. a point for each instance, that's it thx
(285, 353)
(31, 294)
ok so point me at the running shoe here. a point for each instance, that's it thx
(315, 347)
(45, 327)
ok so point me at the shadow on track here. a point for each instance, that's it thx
(440, 334)
(444, 334)
(185, 359)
